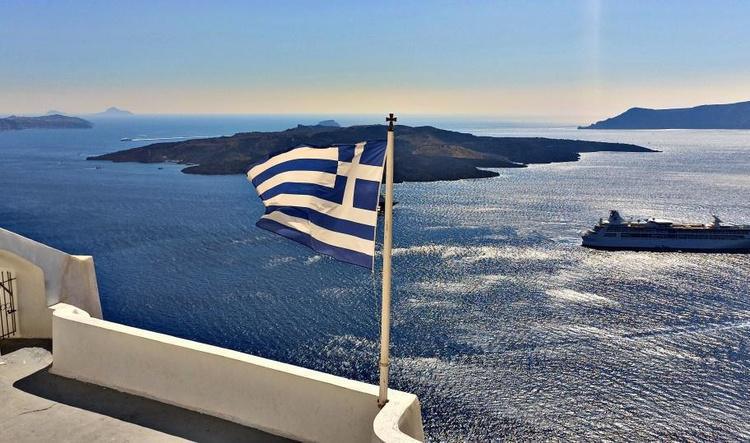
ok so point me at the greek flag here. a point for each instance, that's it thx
(324, 197)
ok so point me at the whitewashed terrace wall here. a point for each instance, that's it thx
(44, 277)
(275, 397)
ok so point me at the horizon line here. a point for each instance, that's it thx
(493, 117)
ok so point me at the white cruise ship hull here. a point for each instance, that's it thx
(666, 244)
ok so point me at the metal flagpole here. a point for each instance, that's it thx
(385, 315)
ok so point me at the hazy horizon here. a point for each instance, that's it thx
(566, 62)
(376, 117)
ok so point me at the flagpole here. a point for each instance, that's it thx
(385, 315)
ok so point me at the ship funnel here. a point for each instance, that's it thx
(717, 221)
(614, 218)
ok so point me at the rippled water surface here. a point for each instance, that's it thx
(503, 325)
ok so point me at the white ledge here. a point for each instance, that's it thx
(275, 397)
(399, 419)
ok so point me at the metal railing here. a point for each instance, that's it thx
(7, 305)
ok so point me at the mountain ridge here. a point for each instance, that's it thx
(711, 116)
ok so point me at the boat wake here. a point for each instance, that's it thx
(156, 139)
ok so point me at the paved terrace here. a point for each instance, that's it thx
(41, 407)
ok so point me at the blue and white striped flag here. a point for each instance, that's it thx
(324, 197)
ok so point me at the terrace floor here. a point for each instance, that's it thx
(41, 407)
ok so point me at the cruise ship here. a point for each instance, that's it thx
(665, 235)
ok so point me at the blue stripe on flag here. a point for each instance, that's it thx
(366, 194)
(303, 164)
(346, 255)
(373, 153)
(334, 194)
(346, 153)
(360, 230)
(312, 189)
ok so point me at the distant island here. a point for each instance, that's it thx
(324, 123)
(726, 116)
(114, 112)
(54, 121)
(422, 153)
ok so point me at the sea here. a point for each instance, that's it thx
(503, 325)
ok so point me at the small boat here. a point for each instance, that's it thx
(655, 234)
(381, 205)
(126, 139)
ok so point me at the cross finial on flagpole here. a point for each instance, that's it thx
(391, 119)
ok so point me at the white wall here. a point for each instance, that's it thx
(264, 394)
(33, 318)
(46, 276)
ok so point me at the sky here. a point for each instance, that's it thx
(570, 61)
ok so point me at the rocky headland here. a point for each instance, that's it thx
(725, 116)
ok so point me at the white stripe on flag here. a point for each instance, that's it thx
(301, 153)
(357, 169)
(330, 237)
(366, 172)
(333, 209)
(313, 177)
